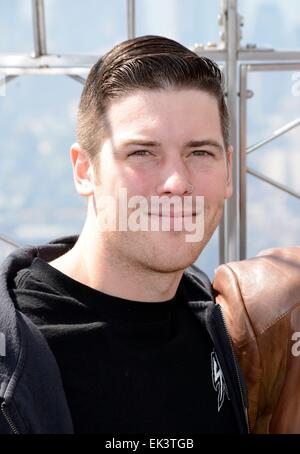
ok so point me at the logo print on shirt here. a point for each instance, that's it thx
(218, 380)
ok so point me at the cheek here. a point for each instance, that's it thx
(212, 187)
(135, 182)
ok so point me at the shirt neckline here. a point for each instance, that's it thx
(100, 302)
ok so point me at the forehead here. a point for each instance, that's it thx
(182, 114)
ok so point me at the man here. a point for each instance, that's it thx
(116, 331)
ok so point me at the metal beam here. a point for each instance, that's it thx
(222, 225)
(10, 72)
(279, 132)
(130, 19)
(249, 55)
(39, 29)
(282, 66)
(79, 79)
(243, 161)
(6, 79)
(268, 180)
(258, 55)
(7, 240)
(25, 60)
(232, 206)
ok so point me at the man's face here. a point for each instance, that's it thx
(159, 143)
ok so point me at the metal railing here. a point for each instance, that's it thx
(245, 150)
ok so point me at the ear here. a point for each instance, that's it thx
(82, 170)
(228, 187)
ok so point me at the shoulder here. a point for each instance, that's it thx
(197, 280)
(266, 287)
(260, 298)
(32, 382)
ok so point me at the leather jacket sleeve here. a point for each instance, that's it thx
(260, 298)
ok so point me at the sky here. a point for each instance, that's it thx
(38, 201)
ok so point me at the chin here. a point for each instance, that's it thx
(169, 259)
(170, 267)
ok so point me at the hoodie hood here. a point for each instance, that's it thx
(31, 391)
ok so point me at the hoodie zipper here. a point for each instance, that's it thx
(8, 418)
(241, 388)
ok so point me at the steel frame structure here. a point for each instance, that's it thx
(238, 62)
(245, 150)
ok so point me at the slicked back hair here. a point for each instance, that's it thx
(143, 63)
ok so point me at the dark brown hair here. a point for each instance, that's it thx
(143, 63)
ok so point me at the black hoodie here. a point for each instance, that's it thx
(31, 391)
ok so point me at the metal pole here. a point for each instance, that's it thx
(131, 18)
(223, 223)
(279, 132)
(39, 29)
(222, 235)
(79, 79)
(6, 79)
(282, 66)
(243, 162)
(232, 207)
(283, 187)
(57, 70)
(7, 240)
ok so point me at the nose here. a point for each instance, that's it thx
(175, 180)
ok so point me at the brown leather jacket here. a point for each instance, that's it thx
(260, 298)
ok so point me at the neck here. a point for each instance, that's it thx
(92, 263)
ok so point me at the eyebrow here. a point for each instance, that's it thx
(144, 143)
(202, 143)
(190, 144)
